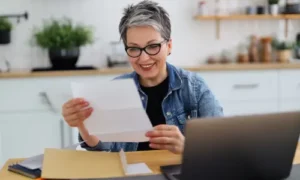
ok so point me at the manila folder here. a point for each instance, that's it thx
(74, 164)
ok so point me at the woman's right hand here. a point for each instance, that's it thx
(75, 111)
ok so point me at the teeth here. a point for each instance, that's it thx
(147, 66)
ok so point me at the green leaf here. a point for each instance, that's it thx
(273, 1)
(5, 24)
(63, 34)
(282, 45)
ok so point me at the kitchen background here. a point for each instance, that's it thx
(30, 103)
(194, 40)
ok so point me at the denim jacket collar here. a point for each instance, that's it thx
(175, 80)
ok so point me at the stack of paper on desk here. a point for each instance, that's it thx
(118, 114)
(36, 162)
(29, 168)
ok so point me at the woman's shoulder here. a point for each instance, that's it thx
(193, 82)
(124, 76)
(198, 92)
(191, 77)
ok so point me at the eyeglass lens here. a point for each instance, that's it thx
(151, 50)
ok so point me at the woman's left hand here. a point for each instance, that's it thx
(166, 137)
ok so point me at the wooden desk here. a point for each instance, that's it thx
(154, 159)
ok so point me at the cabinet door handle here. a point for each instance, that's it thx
(245, 86)
(46, 98)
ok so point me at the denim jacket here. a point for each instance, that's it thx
(188, 97)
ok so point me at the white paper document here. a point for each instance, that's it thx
(138, 169)
(36, 162)
(133, 169)
(118, 114)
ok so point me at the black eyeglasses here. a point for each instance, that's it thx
(151, 49)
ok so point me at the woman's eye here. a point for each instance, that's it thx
(133, 49)
(153, 46)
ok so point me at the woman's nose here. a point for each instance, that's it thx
(144, 56)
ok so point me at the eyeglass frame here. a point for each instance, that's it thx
(144, 49)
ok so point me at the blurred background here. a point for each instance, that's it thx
(195, 40)
(246, 50)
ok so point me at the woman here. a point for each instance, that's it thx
(170, 95)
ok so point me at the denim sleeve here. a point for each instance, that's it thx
(107, 146)
(208, 105)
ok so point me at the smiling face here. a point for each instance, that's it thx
(151, 66)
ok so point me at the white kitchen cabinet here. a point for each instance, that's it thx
(244, 92)
(289, 84)
(249, 107)
(289, 90)
(1, 156)
(21, 95)
(27, 134)
(289, 105)
(243, 85)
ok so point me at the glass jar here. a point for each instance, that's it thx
(243, 56)
(253, 50)
(266, 51)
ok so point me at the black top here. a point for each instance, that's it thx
(155, 95)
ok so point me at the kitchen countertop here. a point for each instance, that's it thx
(102, 71)
(112, 71)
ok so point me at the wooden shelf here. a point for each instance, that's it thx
(285, 17)
(248, 17)
(240, 17)
(292, 16)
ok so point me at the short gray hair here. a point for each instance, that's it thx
(145, 13)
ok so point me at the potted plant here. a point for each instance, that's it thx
(274, 7)
(63, 40)
(283, 50)
(5, 30)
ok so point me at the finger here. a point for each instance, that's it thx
(75, 122)
(75, 109)
(68, 104)
(161, 133)
(164, 147)
(74, 102)
(80, 115)
(87, 113)
(163, 140)
(165, 127)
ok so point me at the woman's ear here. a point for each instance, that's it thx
(170, 46)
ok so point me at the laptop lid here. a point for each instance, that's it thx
(241, 147)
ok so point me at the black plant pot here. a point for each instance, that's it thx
(64, 58)
(4, 36)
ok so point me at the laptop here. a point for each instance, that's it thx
(252, 147)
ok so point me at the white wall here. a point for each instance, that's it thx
(193, 40)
